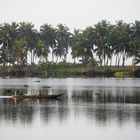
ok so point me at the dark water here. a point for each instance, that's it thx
(90, 109)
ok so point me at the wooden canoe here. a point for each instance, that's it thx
(36, 96)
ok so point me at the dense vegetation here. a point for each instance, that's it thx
(102, 41)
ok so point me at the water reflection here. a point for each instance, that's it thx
(21, 111)
(108, 95)
(101, 105)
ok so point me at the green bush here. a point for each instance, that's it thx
(122, 74)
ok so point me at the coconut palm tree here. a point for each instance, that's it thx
(42, 51)
(82, 47)
(87, 44)
(28, 34)
(8, 34)
(124, 38)
(134, 50)
(48, 35)
(62, 41)
(75, 43)
(19, 52)
(102, 48)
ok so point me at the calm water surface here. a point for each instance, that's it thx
(90, 109)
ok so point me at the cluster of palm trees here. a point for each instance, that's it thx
(102, 42)
(106, 41)
(20, 40)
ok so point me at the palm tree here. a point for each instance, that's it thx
(62, 41)
(19, 52)
(102, 48)
(123, 37)
(48, 35)
(8, 34)
(134, 50)
(75, 43)
(42, 51)
(28, 34)
(82, 46)
(112, 42)
(87, 44)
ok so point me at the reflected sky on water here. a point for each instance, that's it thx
(90, 109)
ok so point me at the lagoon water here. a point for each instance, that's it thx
(91, 108)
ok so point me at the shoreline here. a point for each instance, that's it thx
(66, 72)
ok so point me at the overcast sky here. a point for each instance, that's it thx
(73, 13)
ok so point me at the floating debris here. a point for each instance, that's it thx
(98, 93)
(46, 87)
(37, 81)
(26, 85)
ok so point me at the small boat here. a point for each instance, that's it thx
(37, 96)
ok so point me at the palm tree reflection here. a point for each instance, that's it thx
(100, 105)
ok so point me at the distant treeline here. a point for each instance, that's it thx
(103, 40)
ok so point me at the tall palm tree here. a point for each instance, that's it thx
(123, 37)
(28, 34)
(62, 41)
(19, 52)
(83, 43)
(75, 43)
(42, 51)
(8, 34)
(48, 35)
(87, 44)
(102, 48)
(134, 50)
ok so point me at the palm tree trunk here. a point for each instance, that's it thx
(107, 61)
(116, 60)
(110, 61)
(33, 57)
(123, 59)
(119, 59)
(133, 65)
(52, 57)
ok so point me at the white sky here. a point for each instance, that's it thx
(73, 13)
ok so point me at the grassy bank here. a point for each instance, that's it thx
(67, 70)
(92, 72)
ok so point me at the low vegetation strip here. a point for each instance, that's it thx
(77, 71)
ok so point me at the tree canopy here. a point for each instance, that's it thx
(98, 43)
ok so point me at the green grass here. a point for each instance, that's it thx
(65, 71)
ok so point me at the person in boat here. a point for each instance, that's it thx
(39, 93)
(18, 93)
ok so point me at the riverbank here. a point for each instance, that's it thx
(68, 70)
